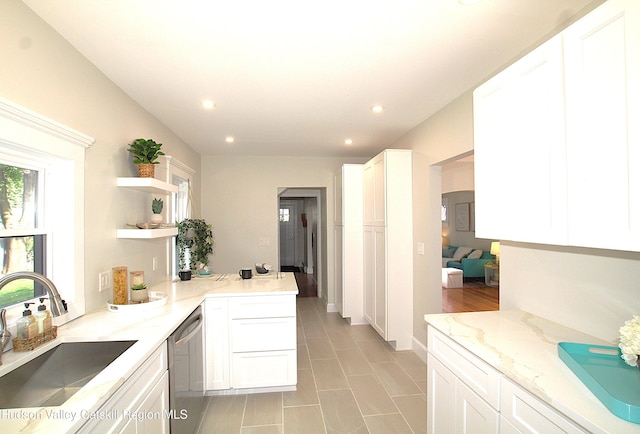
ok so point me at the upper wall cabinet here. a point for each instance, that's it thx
(557, 157)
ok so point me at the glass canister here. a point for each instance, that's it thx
(120, 290)
(137, 278)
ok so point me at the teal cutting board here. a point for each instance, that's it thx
(612, 381)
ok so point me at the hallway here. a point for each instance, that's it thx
(349, 380)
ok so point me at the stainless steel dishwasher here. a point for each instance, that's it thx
(186, 374)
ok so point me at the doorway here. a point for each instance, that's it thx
(301, 229)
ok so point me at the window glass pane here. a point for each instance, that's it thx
(284, 214)
(18, 197)
(21, 254)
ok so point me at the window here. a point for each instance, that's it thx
(284, 214)
(38, 153)
(22, 235)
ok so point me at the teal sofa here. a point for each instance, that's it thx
(471, 267)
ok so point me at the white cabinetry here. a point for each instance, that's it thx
(216, 323)
(152, 186)
(466, 395)
(557, 151)
(250, 342)
(141, 405)
(349, 242)
(388, 241)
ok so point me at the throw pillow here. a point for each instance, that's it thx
(476, 254)
(447, 252)
(461, 253)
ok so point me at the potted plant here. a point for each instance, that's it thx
(145, 154)
(139, 293)
(156, 207)
(196, 236)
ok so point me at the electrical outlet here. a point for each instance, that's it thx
(264, 242)
(104, 281)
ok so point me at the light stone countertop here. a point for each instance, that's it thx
(150, 328)
(523, 347)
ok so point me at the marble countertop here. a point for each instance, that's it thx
(523, 347)
(150, 328)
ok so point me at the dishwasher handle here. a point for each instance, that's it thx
(196, 319)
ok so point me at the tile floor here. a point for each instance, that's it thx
(349, 381)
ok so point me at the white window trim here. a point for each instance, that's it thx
(26, 133)
(170, 167)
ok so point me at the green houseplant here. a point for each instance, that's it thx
(196, 236)
(156, 207)
(145, 154)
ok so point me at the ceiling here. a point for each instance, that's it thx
(296, 77)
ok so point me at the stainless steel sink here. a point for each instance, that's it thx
(53, 377)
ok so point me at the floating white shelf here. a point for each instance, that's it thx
(147, 233)
(147, 185)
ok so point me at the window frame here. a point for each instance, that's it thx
(28, 136)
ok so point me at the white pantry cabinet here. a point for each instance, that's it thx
(557, 149)
(466, 395)
(250, 342)
(388, 241)
(141, 405)
(349, 242)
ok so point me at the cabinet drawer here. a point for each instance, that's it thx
(264, 369)
(479, 376)
(263, 334)
(530, 415)
(268, 306)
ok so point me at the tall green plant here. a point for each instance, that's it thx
(197, 236)
(145, 151)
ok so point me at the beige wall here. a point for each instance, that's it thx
(43, 73)
(240, 200)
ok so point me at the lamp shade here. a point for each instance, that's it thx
(495, 248)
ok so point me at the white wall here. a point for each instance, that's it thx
(458, 176)
(240, 200)
(590, 290)
(42, 72)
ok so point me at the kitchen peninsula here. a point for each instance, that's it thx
(262, 303)
(503, 368)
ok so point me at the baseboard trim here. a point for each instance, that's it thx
(420, 349)
(331, 307)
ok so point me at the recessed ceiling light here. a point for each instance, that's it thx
(229, 139)
(348, 142)
(377, 109)
(208, 105)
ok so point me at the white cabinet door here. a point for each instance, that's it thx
(156, 403)
(375, 295)
(216, 337)
(338, 270)
(374, 191)
(519, 145)
(474, 415)
(602, 69)
(441, 389)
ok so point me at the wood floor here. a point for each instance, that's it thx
(475, 296)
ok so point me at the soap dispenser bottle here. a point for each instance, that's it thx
(27, 326)
(43, 318)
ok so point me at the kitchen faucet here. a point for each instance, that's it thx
(58, 305)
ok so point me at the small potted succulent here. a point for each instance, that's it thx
(145, 154)
(156, 207)
(139, 293)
